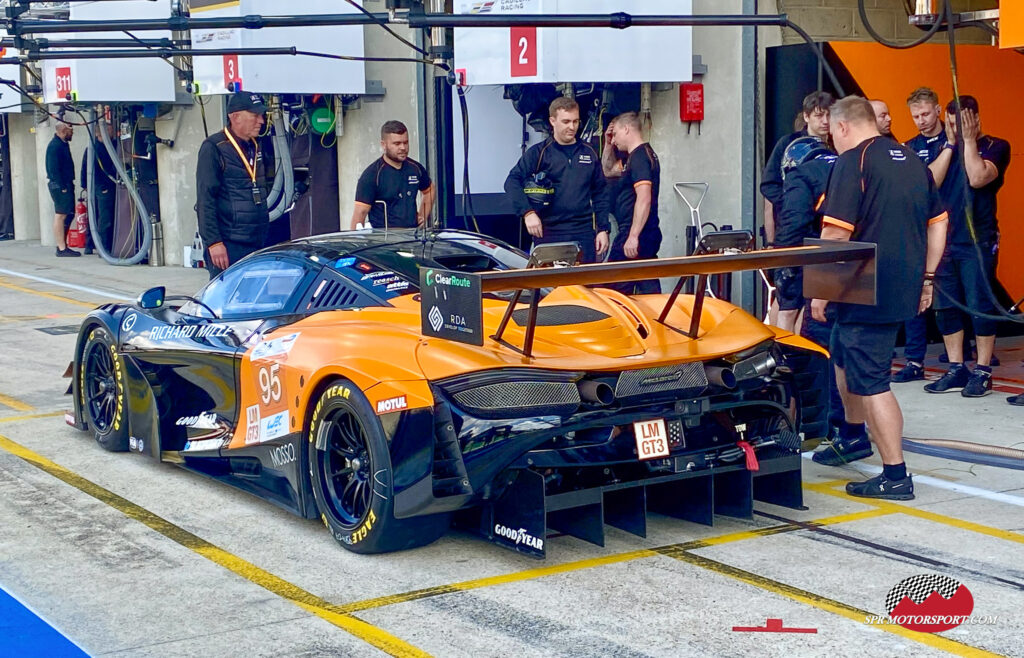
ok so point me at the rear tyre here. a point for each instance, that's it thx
(104, 402)
(350, 472)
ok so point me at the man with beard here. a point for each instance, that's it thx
(387, 190)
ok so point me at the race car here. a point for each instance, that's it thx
(386, 382)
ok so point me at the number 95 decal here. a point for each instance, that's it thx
(270, 383)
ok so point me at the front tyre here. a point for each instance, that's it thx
(350, 472)
(102, 388)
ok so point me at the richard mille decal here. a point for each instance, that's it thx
(196, 331)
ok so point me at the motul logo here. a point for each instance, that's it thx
(392, 404)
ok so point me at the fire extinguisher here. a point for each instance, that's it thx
(79, 230)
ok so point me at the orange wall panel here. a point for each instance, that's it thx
(1011, 24)
(995, 77)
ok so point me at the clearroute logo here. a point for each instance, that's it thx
(930, 603)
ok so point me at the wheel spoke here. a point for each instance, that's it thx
(344, 471)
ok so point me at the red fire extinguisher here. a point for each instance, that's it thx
(79, 230)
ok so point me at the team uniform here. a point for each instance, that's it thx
(641, 168)
(882, 193)
(580, 200)
(391, 192)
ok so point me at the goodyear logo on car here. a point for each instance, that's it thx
(451, 306)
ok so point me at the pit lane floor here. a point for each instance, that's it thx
(127, 557)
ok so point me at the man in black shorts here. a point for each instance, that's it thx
(635, 188)
(962, 274)
(387, 189)
(60, 175)
(879, 192)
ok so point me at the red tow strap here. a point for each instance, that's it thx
(748, 450)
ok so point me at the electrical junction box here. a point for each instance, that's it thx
(278, 74)
(125, 80)
(503, 55)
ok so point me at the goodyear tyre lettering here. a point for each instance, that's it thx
(119, 382)
(360, 533)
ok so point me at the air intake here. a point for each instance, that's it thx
(333, 294)
(561, 315)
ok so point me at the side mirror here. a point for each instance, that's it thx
(152, 298)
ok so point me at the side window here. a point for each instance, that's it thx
(261, 287)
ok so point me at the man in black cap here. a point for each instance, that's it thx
(60, 175)
(231, 186)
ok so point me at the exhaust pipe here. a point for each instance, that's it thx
(719, 376)
(596, 392)
(758, 365)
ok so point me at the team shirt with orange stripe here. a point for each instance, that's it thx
(881, 192)
(642, 168)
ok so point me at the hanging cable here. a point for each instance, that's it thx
(895, 45)
(388, 29)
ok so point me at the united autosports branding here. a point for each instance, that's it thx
(930, 603)
(271, 348)
(392, 404)
(273, 427)
(519, 536)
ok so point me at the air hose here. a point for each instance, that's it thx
(283, 154)
(966, 451)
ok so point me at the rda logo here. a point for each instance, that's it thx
(435, 317)
(929, 603)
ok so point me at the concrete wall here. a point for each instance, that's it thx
(177, 167)
(840, 20)
(25, 180)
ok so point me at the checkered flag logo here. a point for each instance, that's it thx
(919, 588)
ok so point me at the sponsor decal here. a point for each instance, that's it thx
(129, 322)
(397, 285)
(189, 331)
(392, 404)
(435, 317)
(929, 603)
(345, 262)
(519, 536)
(443, 279)
(204, 421)
(136, 444)
(585, 159)
(277, 347)
(414, 180)
(897, 155)
(203, 444)
(273, 427)
(662, 379)
(252, 424)
(283, 455)
(482, 7)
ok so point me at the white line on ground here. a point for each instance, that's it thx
(64, 284)
(944, 484)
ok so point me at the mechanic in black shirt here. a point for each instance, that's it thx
(60, 174)
(579, 200)
(961, 274)
(231, 186)
(635, 186)
(387, 189)
(104, 187)
(882, 117)
(815, 112)
(930, 146)
(880, 192)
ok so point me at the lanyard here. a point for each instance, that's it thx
(245, 161)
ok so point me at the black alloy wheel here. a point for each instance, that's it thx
(103, 397)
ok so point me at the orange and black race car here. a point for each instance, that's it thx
(388, 382)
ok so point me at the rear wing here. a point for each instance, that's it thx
(451, 305)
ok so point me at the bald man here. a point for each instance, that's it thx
(882, 117)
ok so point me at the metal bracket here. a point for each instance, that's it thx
(985, 19)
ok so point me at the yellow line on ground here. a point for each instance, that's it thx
(823, 603)
(40, 293)
(897, 508)
(17, 405)
(14, 419)
(590, 563)
(300, 597)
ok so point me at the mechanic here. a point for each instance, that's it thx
(387, 189)
(231, 185)
(961, 274)
(574, 168)
(878, 192)
(635, 186)
(106, 188)
(815, 115)
(805, 168)
(882, 117)
(60, 175)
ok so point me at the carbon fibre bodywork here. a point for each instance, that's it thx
(516, 445)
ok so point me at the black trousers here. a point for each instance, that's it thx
(103, 206)
(236, 252)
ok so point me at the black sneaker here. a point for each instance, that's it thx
(910, 372)
(979, 385)
(882, 487)
(843, 451)
(1016, 400)
(67, 252)
(954, 380)
(995, 361)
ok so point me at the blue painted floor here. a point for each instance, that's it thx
(24, 634)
